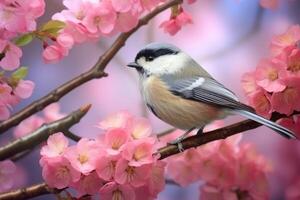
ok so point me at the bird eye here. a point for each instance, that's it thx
(149, 58)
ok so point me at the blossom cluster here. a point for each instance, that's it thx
(17, 17)
(119, 164)
(274, 86)
(229, 170)
(89, 20)
(12, 90)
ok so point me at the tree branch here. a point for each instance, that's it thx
(221, 133)
(95, 72)
(29, 192)
(29, 141)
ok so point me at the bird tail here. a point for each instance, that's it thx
(272, 125)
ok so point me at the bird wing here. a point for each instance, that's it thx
(205, 89)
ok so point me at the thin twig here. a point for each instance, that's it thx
(29, 192)
(222, 133)
(29, 141)
(71, 135)
(97, 71)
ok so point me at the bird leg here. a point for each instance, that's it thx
(200, 131)
(178, 140)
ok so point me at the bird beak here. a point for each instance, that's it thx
(134, 65)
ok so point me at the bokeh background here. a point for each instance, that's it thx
(228, 38)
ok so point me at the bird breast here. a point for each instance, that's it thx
(175, 110)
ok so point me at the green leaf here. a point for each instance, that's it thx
(52, 27)
(24, 39)
(20, 73)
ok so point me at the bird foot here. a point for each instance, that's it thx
(177, 142)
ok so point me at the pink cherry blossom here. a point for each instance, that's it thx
(75, 12)
(7, 170)
(182, 168)
(122, 5)
(292, 123)
(54, 53)
(126, 21)
(83, 156)
(291, 56)
(272, 4)
(114, 191)
(135, 176)
(12, 55)
(56, 145)
(88, 185)
(52, 112)
(287, 101)
(105, 167)
(139, 152)
(170, 26)
(24, 89)
(65, 40)
(114, 140)
(149, 4)
(101, 18)
(173, 25)
(260, 101)
(58, 173)
(19, 16)
(120, 119)
(28, 125)
(287, 39)
(249, 83)
(141, 128)
(156, 181)
(269, 75)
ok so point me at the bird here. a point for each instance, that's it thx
(183, 94)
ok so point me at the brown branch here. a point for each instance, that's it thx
(41, 134)
(29, 192)
(222, 133)
(95, 72)
(71, 135)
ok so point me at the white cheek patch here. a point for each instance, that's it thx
(195, 84)
(166, 64)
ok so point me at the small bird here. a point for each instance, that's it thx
(180, 92)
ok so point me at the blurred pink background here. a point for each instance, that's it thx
(228, 38)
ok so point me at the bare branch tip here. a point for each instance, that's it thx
(85, 108)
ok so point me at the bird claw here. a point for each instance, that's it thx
(178, 143)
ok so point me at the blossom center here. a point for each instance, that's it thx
(130, 173)
(97, 20)
(294, 67)
(117, 195)
(82, 158)
(273, 75)
(62, 172)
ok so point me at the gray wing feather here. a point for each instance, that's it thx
(205, 89)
